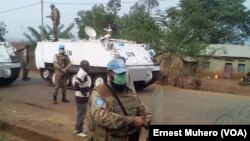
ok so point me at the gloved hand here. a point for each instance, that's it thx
(139, 122)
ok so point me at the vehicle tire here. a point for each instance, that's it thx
(54, 76)
(99, 79)
(46, 75)
(14, 75)
(140, 85)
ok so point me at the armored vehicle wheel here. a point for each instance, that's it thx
(54, 77)
(99, 79)
(46, 75)
(140, 85)
(14, 75)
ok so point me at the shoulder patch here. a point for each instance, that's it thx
(99, 102)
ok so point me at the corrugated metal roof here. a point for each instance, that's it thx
(223, 50)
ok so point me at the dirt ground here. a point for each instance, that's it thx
(43, 124)
(48, 123)
(57, 125)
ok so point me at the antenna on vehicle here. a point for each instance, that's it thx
(90, 32)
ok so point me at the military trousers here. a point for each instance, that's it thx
(55, 29)
(25, 70)
(60, 81)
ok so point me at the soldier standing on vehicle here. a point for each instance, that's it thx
(115, 112)
(81, 83)
(61, 65)
(26, 61)
(55, 17)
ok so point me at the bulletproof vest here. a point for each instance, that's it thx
(130, 103)
(55, 14)
(62, 60)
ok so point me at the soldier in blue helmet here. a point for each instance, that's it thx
(61, 65)
(115, 112)
(55, 17)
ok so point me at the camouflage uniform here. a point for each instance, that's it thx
(55, 17)
(61, 62)
(105, 120)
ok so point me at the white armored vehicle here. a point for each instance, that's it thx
(9, 64)
(143, 69)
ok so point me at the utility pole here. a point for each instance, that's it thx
(149, 7)
(42, 20)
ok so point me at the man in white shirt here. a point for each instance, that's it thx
(82, 85)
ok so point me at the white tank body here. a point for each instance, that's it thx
(9, 64)
(142, 67)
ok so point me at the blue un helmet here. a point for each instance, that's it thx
(117, 65)
(119, 79)
(61, 46)
(52, 5)
(61, 49)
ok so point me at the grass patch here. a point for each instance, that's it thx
(4, 136)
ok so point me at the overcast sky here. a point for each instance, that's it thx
(19, 14)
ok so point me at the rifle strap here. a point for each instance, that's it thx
(134, 135)
(117, 99)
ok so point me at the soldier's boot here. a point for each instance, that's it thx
(54, 99)
(64, 99)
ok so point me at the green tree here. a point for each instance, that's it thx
(230, 19)
(195, 23)
(97, 17)
(180, 38)
(147, 5)
(138, 25)
(3, 31)
(141, 27)
(150, 4)
(114, 6)
(35, 35)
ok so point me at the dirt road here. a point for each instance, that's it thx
(29, 104)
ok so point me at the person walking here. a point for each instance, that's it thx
(82, 85)
(61, 64)
(26, 61)
(115, 112)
